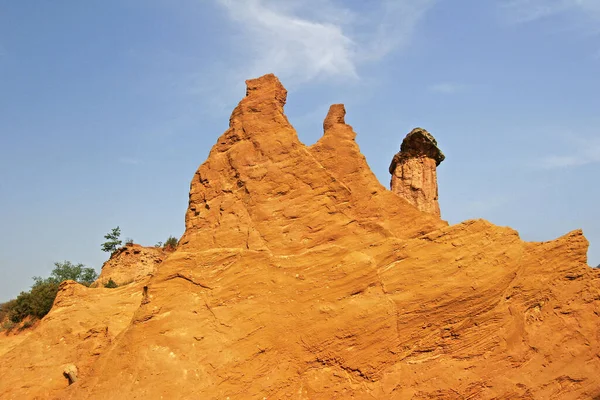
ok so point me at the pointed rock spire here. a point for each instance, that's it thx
(335, 116)
(334, 123)
(266, 87)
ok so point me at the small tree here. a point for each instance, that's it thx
(113, 242)
(171, 243)
(65, 271)
(111, 284)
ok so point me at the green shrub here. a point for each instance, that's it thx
(65, 271)
(5, 309)
(110, 284)
(7, 325)
(171, 243)
(35, 303)
(26, 325)
(21, 308)
(39, 300)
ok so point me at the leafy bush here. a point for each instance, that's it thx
(38, 301)
(128, 242)
(171, 243)
(111, 284)
(42, 297)
(21, 307)
(65, 271)
(5, 309)
(113, 242)
(26, 325)
(7, 325)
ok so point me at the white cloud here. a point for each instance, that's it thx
(585, 151)
(579, 16)
(305, 40)
(447, 87)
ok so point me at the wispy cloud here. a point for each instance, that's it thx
(447, 87)
(521, 11)
(531, 10)
(584, 151)
(576, 16)
(310, 39)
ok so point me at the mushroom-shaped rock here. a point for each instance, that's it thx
(413, 170)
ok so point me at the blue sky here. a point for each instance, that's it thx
(108, 107)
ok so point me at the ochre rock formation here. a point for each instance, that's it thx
(82, 325)
(413, 170)
(131, 263)
(299, 276)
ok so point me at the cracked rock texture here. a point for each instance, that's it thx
(131, 263)
(413, 170)
(299, 276)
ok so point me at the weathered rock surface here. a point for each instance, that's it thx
(413, 169)
(299, 276)
(131, 263)
(82, 324)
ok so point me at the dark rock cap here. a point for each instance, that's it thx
(418, 143)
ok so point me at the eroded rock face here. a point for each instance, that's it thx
(300, 276)
(261, 189)
(83, 324)
(413, 170)
(131, 263)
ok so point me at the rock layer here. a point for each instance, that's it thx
(299, 276)
(413, 170)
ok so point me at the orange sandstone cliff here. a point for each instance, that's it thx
(300, 277)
